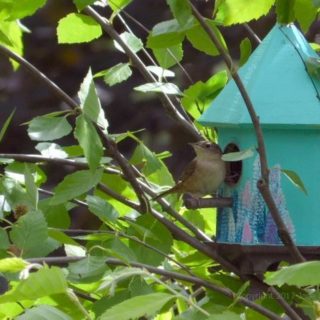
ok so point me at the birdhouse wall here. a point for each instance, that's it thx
(249, 221)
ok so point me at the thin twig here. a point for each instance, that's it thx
(263, 185)
(166, 101)
(171, 275)
(253, 35)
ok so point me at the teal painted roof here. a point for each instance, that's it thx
(275, 76)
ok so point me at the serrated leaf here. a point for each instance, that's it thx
(181, 10)
(133, 42)
(146, 305)
(89, 140)
(166, 88)
(45, 282)
(12, 264)
(46, 128)
(295, 180)
(200, 40)
(239, 11)
(51, 150)
(75, 184)
(160, 72)
(118, 5)
(199, 95)
(6, 125)
(44, 312)
(31, 187)
(81, 4)
(115, 74)
(78, 28)
(90, 103)
(102, 209)
(168, 57)
(23, 8)
(238, 156)
(245, 51)
(28, 232)
(166, 34)
(301, 274)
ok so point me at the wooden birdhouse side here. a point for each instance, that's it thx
(286, 99)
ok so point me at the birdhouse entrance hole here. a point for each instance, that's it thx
(234, 169)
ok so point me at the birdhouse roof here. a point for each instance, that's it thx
(282, 91)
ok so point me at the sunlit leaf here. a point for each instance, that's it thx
(89, 140)
(46, 128)
(181, 10)
(44, 312)
(238, 11)
(238, 156)
(301, 274)
(115, 74)
(167, 88)
(23, 8)
(245, 51)
(295, 179)
(51, 150)
(118, 5)
(12, 264)
(133, 42)
(160, 72)
(81, 4)
(75, 184)
(170, 56)
(78, 28)
(6, 125)
(146, 305)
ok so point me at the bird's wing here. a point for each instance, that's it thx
(188, 170)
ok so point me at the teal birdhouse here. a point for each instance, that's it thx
(286, 99)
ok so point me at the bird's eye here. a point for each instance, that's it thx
(208, 145)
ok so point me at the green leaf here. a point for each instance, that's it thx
(78, 28)
(75, 184)
(168, 57)
(46, 128)
(45, 282)
(6, 125)
(238, 156)
(295, 180)
(239, 11)
(102, 209)
(166, 88)
(285, 11)
(23, 8)
(29, 232)
(90, 103)
(44, 312)
(87, 270)
(146, 305)
(89, 140)
(116, 74)
(81, 4)
(12, 264)
(160, 72)
(166, 34)
(226, 315)
(4, 239)
(133, 42)
(51, 150)
(118, 5)
(61, 237)
(201, 41)
(198, 96)
(13, 32)
(245, 51)
(300, 275)
(31, 187)
(181, 10)
(305, 12)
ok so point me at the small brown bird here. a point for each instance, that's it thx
(204, 174)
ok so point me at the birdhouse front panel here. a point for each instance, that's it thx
(285, 93)
(249, 220)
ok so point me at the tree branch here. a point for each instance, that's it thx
(266, 193)
(171, 275)
(167, 103)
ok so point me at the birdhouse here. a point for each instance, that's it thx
(286, 99)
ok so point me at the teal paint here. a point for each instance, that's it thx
(286, 98)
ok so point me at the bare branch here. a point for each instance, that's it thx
(192, 203)
(284, 234)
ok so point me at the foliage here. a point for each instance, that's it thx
(147, 259)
